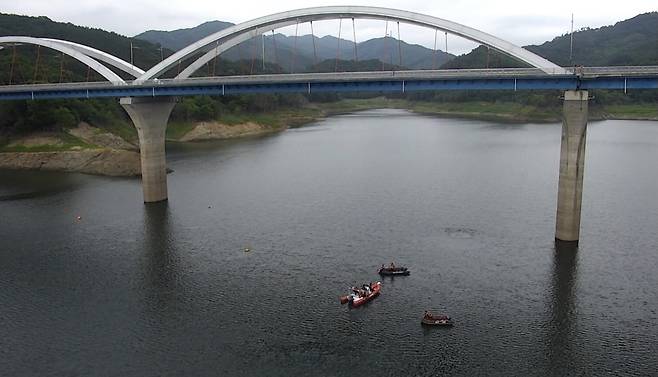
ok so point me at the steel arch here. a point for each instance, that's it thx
(229, 37)
(70, 51)
(104, 57)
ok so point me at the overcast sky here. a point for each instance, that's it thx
(520, 22)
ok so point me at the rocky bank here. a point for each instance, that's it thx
(112, 162)
(112, 156)
(95, 136)
(216, 130)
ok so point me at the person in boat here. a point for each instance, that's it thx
(392, 266)
(428, 315)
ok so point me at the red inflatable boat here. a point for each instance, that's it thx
(360, 296)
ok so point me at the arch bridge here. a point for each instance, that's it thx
(148, 98)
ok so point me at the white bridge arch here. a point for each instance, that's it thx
(85, 54)
(104, 57)
(229, 37)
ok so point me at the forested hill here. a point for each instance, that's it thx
(634, 41)
(177, 39)
(27, 64)
(305, 51)
(146, 54)
(32, 64)
(630, 42)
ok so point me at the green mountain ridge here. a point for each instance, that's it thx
(177, 39)
(145, 54)
(298, 54)
(630, 42)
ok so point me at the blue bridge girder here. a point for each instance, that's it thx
(618, 78)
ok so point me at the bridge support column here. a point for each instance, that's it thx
(150, 117)
(572, 163)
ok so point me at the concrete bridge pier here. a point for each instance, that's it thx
(572, 163)
(150, 117)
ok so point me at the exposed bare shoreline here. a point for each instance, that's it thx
(113, 156)
(112, 162)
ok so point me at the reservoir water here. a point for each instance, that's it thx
(469, 206)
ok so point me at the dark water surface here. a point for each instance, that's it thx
(469, 206)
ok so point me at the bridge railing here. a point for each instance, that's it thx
(447, 74)
(59, 86)
(620, 71)
(294, 77)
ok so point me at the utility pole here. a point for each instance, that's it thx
(571, 43)
(262, 38)
(132, 55)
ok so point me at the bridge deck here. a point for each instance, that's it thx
(645, 77)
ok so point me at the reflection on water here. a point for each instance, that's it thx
(166, 288)
(19, 185)
(157, 229)
(161, 259)
(562, 324)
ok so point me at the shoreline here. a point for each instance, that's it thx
(104, 153)
(108, 162)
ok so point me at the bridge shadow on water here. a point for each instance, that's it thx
(562, 325)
